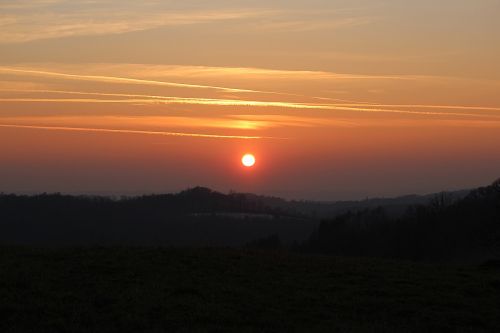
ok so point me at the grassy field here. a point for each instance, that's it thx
(212, 290)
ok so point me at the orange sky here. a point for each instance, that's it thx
(337, 99)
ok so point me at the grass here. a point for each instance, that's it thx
(226, 290)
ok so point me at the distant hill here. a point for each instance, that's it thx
(323, 209)
(194, 217)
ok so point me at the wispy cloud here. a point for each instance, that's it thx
(101, 78)
(301, 25)
(245, 72)
(156, 122)
(28, 4)
(424, 106)
(146, 75)
(125, 131)
(275, 120)
(24, 21)
(159, 75)
(156, 100)
(29, 21)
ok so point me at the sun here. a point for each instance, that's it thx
(248, 160)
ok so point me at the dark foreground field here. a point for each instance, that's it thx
(208, 290)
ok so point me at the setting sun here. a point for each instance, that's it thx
(248, 160)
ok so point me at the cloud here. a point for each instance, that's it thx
(156, 75)
(29, 21)
(423, 106)
(28, 4)
(102, 78)
(25, 21)
(142, 99)
(125, 131)
(148, 122)
(165, 76)
(275, 120)
(301, 25)
(223, 102)
(246, 73)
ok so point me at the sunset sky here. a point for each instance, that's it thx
(336, 99)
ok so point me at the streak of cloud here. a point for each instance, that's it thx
(100, 78)
(185, 71)
(424, 106)
(243, 103)
(125, 131)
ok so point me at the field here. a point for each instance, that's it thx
(213, 290)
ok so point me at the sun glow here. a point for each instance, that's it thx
(248, 160)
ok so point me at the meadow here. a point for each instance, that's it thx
(146, 289)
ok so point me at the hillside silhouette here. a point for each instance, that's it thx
(462, 225)
(194, 217)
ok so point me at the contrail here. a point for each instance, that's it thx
(72, 92)
(101, 78)
(423, 106)
(345, 103)
(106, 130)
(169, 100)
(227, 102)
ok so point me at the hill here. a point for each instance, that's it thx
(195, 217)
